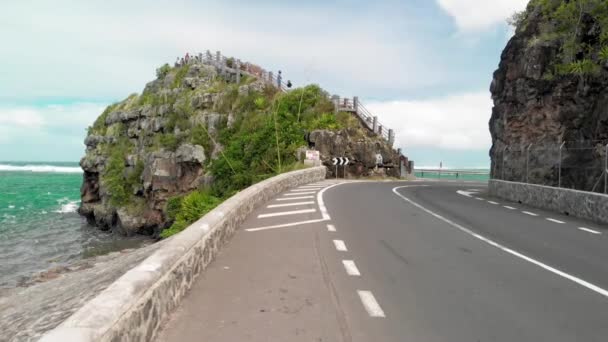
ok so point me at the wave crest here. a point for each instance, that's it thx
(40, 168)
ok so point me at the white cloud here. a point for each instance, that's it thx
(457, 122)
(479, 15)
(31, 122)
(92, 50)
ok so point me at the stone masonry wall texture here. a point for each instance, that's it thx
(133, 307)
(586, 205)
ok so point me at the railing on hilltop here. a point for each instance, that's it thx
(232, 67)
(371, 121)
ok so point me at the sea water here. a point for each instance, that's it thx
(39, 226)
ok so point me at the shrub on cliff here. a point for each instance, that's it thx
(579, 27)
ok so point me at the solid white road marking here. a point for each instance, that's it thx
(311, 187)
(284, 225)
(295, 198)
(555, 221)
(322, 208)
(529, 213)
(302, 190)
(340, 246)
(351, 268)
(370, 304)
(286, 213)
(510, 208)
(301, 193)
(467, 193)
(589, 230)
(289, 204)
(572, 278)
(492, 202)
(331, 228)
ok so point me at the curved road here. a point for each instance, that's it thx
(401, 261)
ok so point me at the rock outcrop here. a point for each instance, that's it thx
(151, 148)
(544, 100)
(361, 147)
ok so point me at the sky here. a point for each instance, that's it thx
(424, 67)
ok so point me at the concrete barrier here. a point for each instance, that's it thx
(587, 205)
(133, 307)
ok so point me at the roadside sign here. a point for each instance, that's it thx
(313, 155)
(342, 161)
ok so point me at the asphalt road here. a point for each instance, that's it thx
(401, 261)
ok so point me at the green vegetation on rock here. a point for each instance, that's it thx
(249, 131)
(579, 27)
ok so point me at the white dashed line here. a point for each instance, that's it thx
(492, 202)
(565, 275)
(295, 198)
(479, 199)
(589, 230)
(289, 204)
(351, 268)
(331, 228)
(555, 221)
(301, 193)
(302, 190)
(286, 213)
(529, 213)
(340, 246)
(370, 304)
(510, 208)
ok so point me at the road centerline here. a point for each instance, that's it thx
(529, 213)
(370, 304)
(351, 268)
(340, 246)
(555, 221)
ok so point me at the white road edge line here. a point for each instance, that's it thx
(529, 213)
(492, 202)
(322, 209)
(351, 268)
(300, 193)
(331, 228)
(295, 198)
(590, 230)
(572, 278)
(287, 213)
(340, 246)
(555, 221)
(370, 304)
(510, 208)
(289, 204)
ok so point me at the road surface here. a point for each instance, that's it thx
(401, 261)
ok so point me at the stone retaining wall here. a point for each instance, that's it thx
(133, 307)
(586, 205)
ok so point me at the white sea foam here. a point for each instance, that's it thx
(40, 168)
(11, 207)
(70, 207)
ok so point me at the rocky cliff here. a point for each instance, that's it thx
(200, 129)
(550, 100)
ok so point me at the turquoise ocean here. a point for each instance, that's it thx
(39, 226)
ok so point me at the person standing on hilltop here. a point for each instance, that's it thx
(279, 79)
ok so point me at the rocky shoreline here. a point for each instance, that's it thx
(48, 298)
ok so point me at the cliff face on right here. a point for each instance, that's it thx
(550, 93)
